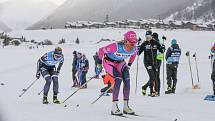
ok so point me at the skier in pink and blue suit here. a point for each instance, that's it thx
(113, 58)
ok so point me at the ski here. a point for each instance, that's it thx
(134, 115)
(123, 116)
(71, 105)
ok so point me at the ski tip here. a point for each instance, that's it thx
(65, 105)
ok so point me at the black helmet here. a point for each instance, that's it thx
(155, 35)
(74, 52)
(57, 50)
(149, 32)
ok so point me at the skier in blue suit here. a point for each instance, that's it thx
(46, 67)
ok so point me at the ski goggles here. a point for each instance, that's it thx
(57, 56)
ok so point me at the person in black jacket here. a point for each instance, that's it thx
(150, 48)
(172, 60)
(74, 70)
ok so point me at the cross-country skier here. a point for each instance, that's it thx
(46, 67)
(74, 70)
(213, 71)
(79, 56)
(151, 48)
(172, 60)
(83, 68)
(114, 64)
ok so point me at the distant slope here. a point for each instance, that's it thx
(19, 14)
(96, 10)
(4, 27)
(203, 10)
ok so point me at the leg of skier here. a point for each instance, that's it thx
(126, 90)
(111, 69)
(151, 74)
(55, 87)
(46, 75)
(174, 78)
(169, 73)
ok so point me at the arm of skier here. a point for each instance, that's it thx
(141, 48)
(132, 58)
(160, 48)
(105, 50)
(168, 53)
(60, 65)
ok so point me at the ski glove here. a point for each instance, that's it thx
(164, 38)
(163, 47)
(129, 66)
(38, 75)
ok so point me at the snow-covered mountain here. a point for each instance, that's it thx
(19, 14)
(96, 10)
(4, 27)
(203, 10)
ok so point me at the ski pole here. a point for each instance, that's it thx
(188, 57)
(25, 90)
(101, 95)
(164, 38)
(79, 88)
(40, 92)
(197, 70)
(136, 74)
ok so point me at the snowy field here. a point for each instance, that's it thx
(18, 67)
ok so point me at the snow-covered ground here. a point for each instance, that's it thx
(18, 66)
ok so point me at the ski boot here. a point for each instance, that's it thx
(143, 91)
(173, 90)
(127, 109)
(45, 100)
(169, 90)
(115, 109)
(154, 94)
(55, 100)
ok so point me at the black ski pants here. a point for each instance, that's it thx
(158, 78)
(152, 72)
(171, 71)
(74, 78)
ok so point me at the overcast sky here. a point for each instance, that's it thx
(58, 2)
